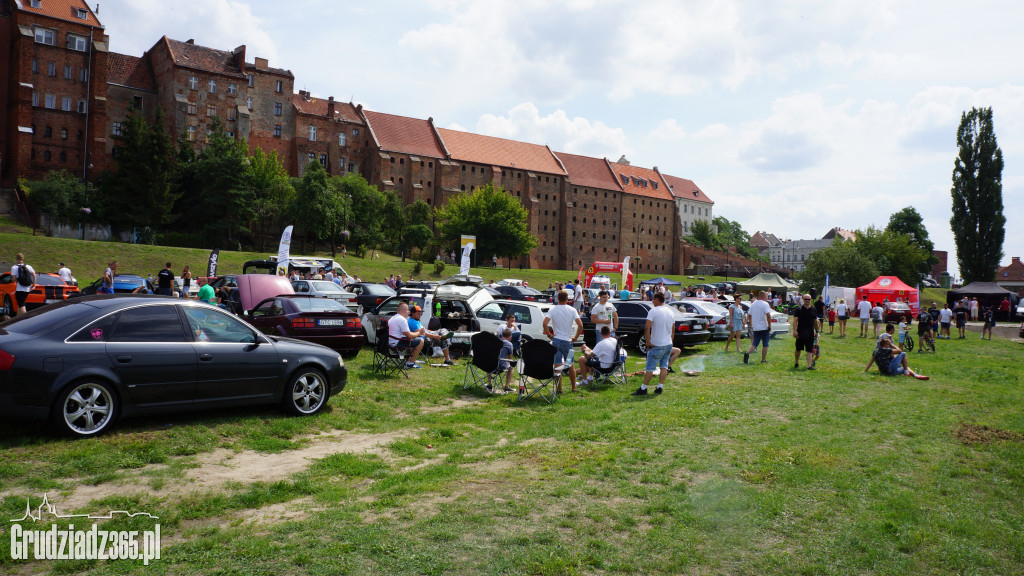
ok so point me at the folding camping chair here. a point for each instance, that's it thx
(485, 362)
(537, 375)
(386, 359)
(614, 374)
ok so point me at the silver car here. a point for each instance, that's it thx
(717, 315)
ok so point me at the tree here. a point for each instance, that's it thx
(272, 191)
(364, 216)
(216, 187)
(731, 233)
(978, 223)
(140, 192)
(496, 218)
(315, 207)
(893, 253)
(844, 264)
(701, 234)
(909, 222)
(61, 195)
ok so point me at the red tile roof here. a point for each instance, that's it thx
(468, 147)
(589, 172)
(683, 188)
(318, 107)
(125, 70)
(403, 134)
(202, 58)
(641, 181)
(63, 10)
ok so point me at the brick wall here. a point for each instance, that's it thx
(649, 232)
(592, 225)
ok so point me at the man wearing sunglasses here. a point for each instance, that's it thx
(805, 329)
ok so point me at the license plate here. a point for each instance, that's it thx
(331, 322)
(52, 300)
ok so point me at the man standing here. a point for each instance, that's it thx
(961, 312)
(416, 327)
(577, 302)
(1004, 308)
(604, 314)
(558, 324)
(877, 313)
(401, 338)
(804, 330)
(760, 323)
(65, 274)
(494, 261)
(165, 281)
(864, 313)
(945, 319)
(658, 334)
(25, 280)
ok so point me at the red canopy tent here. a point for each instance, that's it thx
(892, 288)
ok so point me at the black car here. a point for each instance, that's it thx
(86, 362)
(521, 293)
(369, 294)
(689, 330)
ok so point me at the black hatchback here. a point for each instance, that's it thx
(524, 293)
(83, 363)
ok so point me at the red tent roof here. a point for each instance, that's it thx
(885, 284)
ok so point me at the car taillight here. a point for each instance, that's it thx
(6, 360)
(303, 323)
(353, 323)
(379, 300)
(531, 299)
(721, 321)
(683, 328)
(775, 320)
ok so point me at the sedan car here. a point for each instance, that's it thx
(689, 330)
(49, 288)
(84, 363)
(319, 320)
(512, 292)
(716, 315)
(369, 294)
(896, 310)
(123, 284)
(326, 289)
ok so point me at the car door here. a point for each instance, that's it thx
(267, 315)
(150, 354)
(491, 316)
(234, 362)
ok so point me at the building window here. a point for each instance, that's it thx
(251, 79)
(191, 109)
(312, 133)
(211, 111)
(35, 98)
(82, 107)
(117, 128)
(63, 133)
(277, 130)
(193, 82)
(279, 87)
(190, 134)
(83, 75)
(311, 157)
(63, 157)
(232, 113)
(323, 160)
(76, 42)
(51, 101)
(232, 88)
(248, 102)
(35, 66)
(67, 71)
(46, 36)
(47, 132)
(65, 103)
(277, 108)
(35, 3)
(341, 139)
(229, 134)
(355, 131)
(51, 69)
(212, 85)
(137, 102)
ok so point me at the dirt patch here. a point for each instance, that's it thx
(223, 466)
(460, 402)
(970, 434)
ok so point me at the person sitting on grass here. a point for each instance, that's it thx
(891, 360)
(505, 361)
(601, 356)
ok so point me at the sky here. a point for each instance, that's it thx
(794, 117)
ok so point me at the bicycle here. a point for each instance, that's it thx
(927, 344)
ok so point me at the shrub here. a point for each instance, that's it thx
(438, 267)
(417, 268)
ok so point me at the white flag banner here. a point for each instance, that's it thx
(282, 252)
(466, 250)
(625, 272)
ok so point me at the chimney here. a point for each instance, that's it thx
(330, 107)
(1015, 260)
(304, 95)
(190, 41)
(238, 55)
(262, 63)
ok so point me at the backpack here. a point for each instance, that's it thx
(875, 314)
(25, 276)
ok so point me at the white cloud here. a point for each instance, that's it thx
(563, 134)
(669, 129)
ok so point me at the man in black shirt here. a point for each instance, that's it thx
(165, 281)
(960, 313)
(806, 326)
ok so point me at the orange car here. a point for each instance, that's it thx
(49, 288)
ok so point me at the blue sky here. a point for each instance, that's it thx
(794, 117)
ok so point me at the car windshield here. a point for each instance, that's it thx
(318, 305)
(42, 320)
(378, 290)
(326, 287)
(46, 280)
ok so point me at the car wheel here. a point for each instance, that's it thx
(306, 393)
(8, 309)
(641, 344)
(85, 409)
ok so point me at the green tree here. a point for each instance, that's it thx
(315, 206)
(893, 253)
(140, 191)
(496, 218)
(908, 221)
(272, 192)
(702, 235)
(364, 217)
(394, 223)
(978, 223)
(844, 264)
(731, 233)
(60, 195)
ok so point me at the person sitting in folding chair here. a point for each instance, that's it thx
(505, 361)
(401, 338)
(510, 325)
(601, 356)
(416, 327)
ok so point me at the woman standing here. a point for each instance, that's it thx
(844, 314)
(186, 281)
(736, 316)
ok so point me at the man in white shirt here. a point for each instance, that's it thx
(558, 324)
(602, 355)
(660, 353)
(604, 314)
(65, 274)
(760, 321)
(945, 318)
(401, 338)
(864, 313)
(577, 302)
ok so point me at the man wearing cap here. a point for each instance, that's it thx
(416, 327)
(65, 274)
(401, 338)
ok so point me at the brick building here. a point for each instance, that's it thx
(649, 226)
(130, 85)
(405, 155)
(594, 199)
(53, 63)
(691, 202)
(328, 131)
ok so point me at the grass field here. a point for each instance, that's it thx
(746, 469)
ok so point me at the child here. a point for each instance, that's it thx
(505, 362)
(815, 350)
(903, 330)
(831, 320)
(990, 321)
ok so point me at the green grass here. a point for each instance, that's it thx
(747, 469)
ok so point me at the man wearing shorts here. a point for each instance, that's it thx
(558, 324)
(401, 338)
(864, 313)
(658, 333)
(945, 319)
(804, 330)
(604, 314)
(21, 291)
(760, 323)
